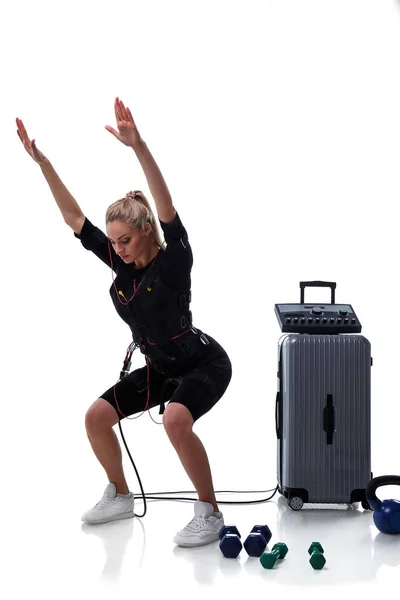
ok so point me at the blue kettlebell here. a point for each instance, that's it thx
(387, 513)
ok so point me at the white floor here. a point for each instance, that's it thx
(51, 554)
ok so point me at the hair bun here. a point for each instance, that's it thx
(131, 196)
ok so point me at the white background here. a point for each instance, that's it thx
(276, 125)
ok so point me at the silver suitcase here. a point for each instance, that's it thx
(323, 404)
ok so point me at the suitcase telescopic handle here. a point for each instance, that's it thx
(330, 284)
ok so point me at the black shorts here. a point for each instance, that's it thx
(199, 389)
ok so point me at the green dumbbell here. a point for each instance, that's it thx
(268, 559)
(317, 558)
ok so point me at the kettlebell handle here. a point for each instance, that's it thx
(373, 485)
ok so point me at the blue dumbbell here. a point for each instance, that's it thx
(257, 540)
(230, 544)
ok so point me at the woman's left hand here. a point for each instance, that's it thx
(127, 132)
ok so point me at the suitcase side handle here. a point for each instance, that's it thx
(277, 419)
(329, 419)
(330, 284)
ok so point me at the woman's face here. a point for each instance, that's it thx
(128, 242)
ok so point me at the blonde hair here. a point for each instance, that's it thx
(136, 211)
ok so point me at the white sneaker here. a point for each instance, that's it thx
(111, 507)
(203, 528)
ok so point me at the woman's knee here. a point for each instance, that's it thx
(100, 415)
(177, 420)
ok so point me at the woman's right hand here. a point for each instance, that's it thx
(29, 145)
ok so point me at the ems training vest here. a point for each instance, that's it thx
(159, 317)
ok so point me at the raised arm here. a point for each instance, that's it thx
(70, 209)
(129, 135)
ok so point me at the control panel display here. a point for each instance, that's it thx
(317, 318)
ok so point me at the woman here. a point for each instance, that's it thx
(151, 293)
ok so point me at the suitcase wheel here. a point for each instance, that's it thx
(295, 503)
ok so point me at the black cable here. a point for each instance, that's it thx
(217, 492)
(151, 497)
(159, 496)
(137, 474)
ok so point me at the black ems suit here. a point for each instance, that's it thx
(185, 365)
